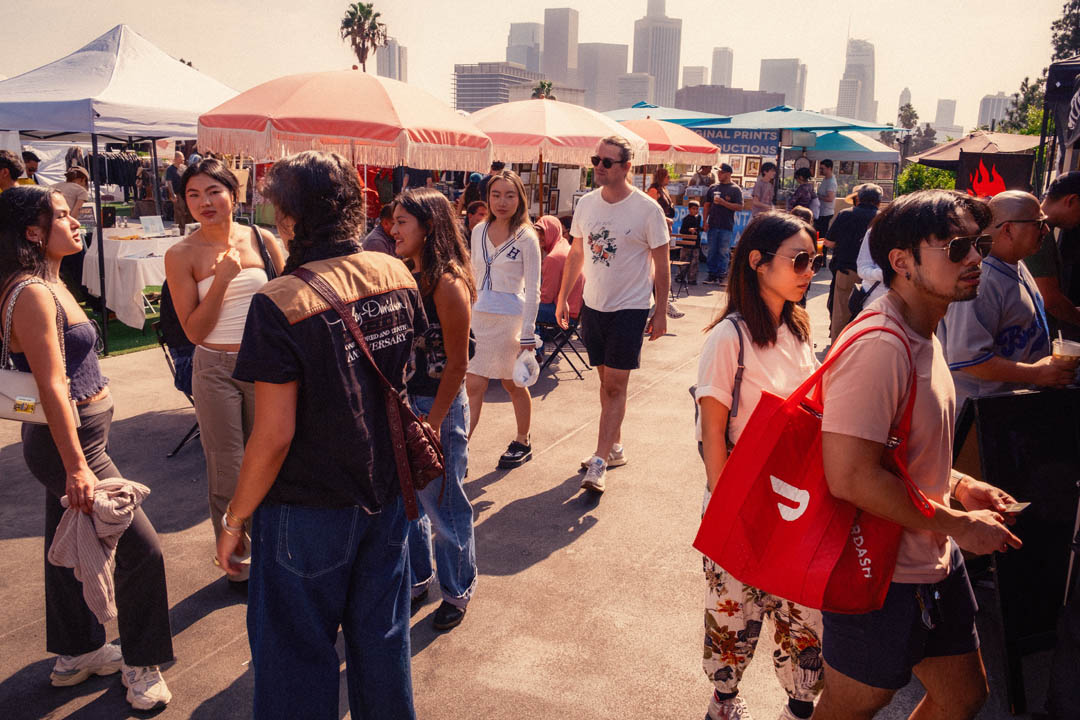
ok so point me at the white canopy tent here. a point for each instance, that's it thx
(119, 86)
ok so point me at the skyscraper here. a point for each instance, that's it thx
(993, 109)
(657, 48)
(723, 59)
(482, 84)
(392, 61)
(632, 88)
(859, 66)
(525, 45)
(787, 76)
(695, 75)
(847, 102)
(600, 65)
(905, 98)
(946, 112)
(560, 56)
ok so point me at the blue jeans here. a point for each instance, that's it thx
(719, 251)
(313, 569)
(451, 517)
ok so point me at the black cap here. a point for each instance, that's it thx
(725, 168)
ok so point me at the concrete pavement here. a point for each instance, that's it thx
(585, 608)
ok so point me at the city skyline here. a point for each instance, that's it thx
(279, 38)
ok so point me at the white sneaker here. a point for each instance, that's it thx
(616, 458)
(673, 310)
(733, 709)
(146, 687)
(74, 669)
(594, 475)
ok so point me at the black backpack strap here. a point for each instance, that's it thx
(268, 264)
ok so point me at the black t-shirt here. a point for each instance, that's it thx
(172, 176)
(847, 231)
(691, 225)
(341, 453)
(719, 216)
(430, 353)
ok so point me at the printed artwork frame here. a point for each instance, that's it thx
(553, 201)
(847, 167)
(887, 192)
(752, 167)
(736, 163)
(885, 171)
(867, 170)
(748, 183)
(736, 180)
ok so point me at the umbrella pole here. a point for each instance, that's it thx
(100, 242)
(153, 176)
(1040, 167)
(540, 179)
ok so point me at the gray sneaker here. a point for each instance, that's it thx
(733, 709)
(74, 669)
(594, 476)
(616, 458)
(146, 687)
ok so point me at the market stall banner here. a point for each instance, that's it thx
(987, 174)
(742, 142)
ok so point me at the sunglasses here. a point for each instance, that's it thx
(959, 247)
(802, 261)
(606, 162)
(1044, 224)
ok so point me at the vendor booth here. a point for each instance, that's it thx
(119, 87)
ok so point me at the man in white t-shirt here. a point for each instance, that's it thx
(620, 235)
(826, 192)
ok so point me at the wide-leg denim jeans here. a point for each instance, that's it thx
(312, 570)
(451, 518)
(719, 251)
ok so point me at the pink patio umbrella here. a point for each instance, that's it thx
(369, 119)
(671, 143)
(530, 131)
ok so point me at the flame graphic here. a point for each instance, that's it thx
(985, 183)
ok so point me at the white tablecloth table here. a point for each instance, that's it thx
(130, 266)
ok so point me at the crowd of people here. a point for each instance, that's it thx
(309, 516)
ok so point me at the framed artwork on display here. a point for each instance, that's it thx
(752, 167)
(553, 202)
(887, 192)
(789, 164)
(526, 177)
(748, 183)
(884, 171)
(867, 170)
(736, 180)
(847, 167)
(736, 163)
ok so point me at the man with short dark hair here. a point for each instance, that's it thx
(379, 239)
(704, 176)
(826, 193)
(626, 235)
(722, 201)
(929, 247)
(475, 213)
(173, 174)
(496, 167)
(845, 237)
(1053, 275)
(11, 168)
(30, 165)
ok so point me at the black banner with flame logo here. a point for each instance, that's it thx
(986, 174)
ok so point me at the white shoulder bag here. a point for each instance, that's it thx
(20, 398)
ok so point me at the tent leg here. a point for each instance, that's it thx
(154, 176)
(541, 181)
(100, 242)
(1040, 166)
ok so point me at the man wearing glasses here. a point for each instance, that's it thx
(1000, 340)
(1054, 277)
(929, 246)
(619, 234)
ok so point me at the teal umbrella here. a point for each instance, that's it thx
(783, 117)
(643, 110)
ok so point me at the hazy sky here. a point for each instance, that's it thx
(956, 49)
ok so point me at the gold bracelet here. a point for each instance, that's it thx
(233, 517)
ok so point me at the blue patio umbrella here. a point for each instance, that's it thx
(644, 110)
(783, 117)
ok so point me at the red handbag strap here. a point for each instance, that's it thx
(390, 393)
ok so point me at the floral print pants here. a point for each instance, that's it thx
(734, 614)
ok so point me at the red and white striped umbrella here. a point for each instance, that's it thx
(671, 143)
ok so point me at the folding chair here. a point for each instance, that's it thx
(194, 431)
(680, 272)
(562, 339)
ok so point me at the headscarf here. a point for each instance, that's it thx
(550, 232)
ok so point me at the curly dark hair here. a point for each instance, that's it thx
(21, 208)
(913, 218)
(445, 251)
(765, 233)
(321, 192)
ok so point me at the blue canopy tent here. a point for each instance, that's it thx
(783, 117)
(644, 110)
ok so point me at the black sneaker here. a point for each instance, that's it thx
(712, 280)
(516, 455)
(448, 616)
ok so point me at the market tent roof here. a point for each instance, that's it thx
(783, 117)
(673, 143)
(643, 110)
(947, 155)
(851, 145)
(118, 85)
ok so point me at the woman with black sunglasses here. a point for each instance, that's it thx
(760, 342)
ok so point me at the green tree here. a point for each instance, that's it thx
(362, 30)
(1065, 32)
(907, 118)
(1025, 111)
(921, 177)
(923, 139)
(543, 91)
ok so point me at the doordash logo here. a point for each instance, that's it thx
(800, 497)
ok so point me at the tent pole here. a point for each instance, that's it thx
(100, 241)
(541, 181)
(1040, 167)
(154, 176)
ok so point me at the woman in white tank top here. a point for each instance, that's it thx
(212, 276)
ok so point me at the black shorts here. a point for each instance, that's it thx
(880, 648)
(613, 339)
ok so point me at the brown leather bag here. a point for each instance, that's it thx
(417, 451)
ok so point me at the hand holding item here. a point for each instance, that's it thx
(228, 265)
(233, 545)
(983, 532)
(80, 490)
(562, 314)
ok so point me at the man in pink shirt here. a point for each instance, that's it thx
(929, 245)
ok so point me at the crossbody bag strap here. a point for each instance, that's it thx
(9, 313)
(736, 385)
(271, 270)
(390, 393)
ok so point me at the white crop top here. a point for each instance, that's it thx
(234, 307)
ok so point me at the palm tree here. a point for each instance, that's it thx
(543, 91)
(363, 31)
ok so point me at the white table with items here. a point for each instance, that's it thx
(133, 261)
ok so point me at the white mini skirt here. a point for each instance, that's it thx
(497, 345)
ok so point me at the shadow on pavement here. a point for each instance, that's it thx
(234, 701)
(203, 602)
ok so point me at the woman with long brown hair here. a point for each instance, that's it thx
(430, 240)
(506, 264)
(763, 332)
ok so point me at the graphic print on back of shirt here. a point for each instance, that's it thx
(602, 246)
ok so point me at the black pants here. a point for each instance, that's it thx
(142, 601)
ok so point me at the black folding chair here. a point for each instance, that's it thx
(562, 339)
(194, 431)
